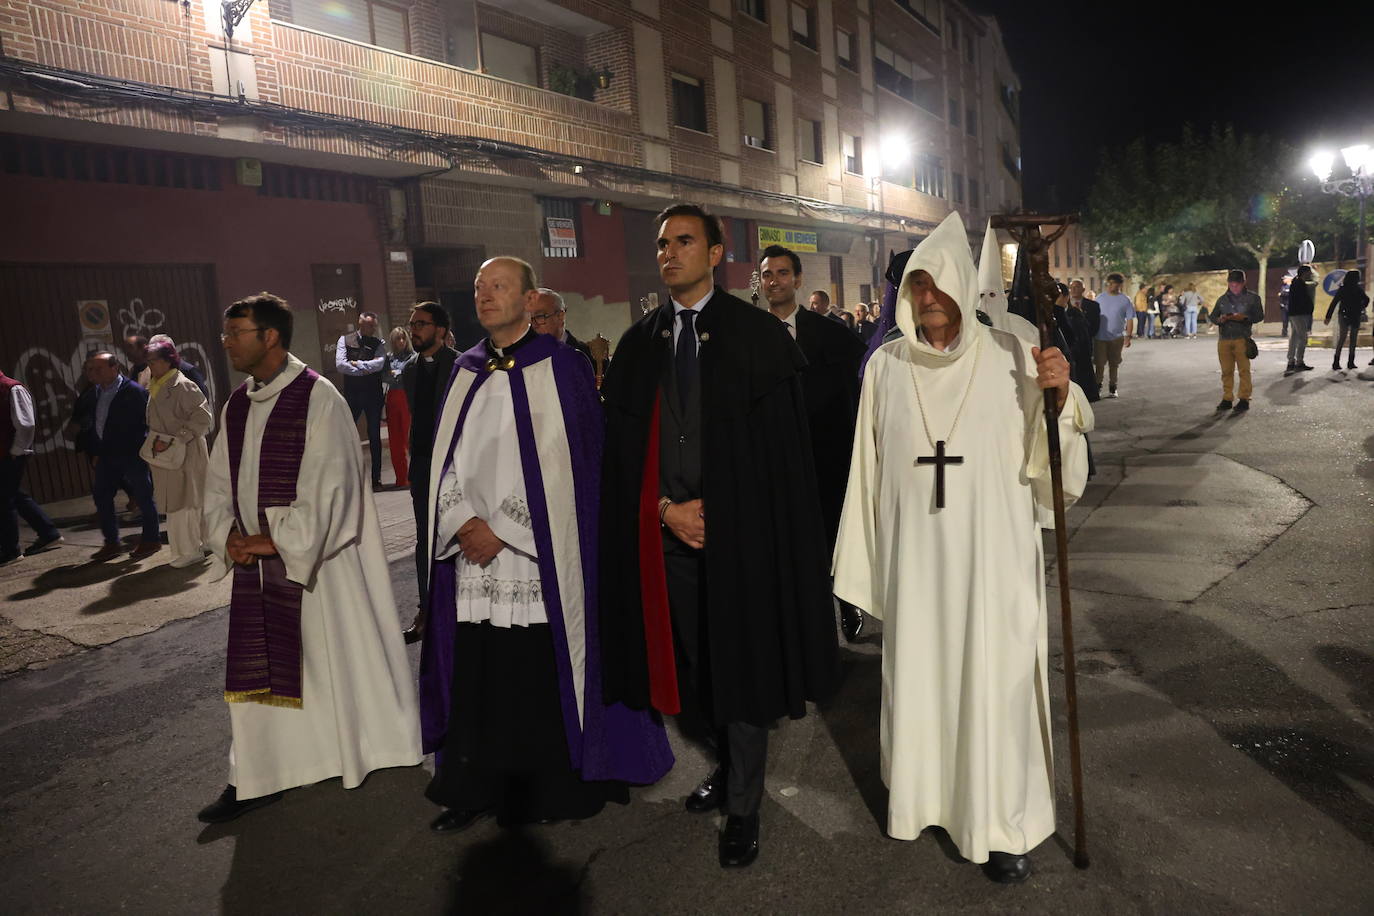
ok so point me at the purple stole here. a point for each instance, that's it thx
(264, 658)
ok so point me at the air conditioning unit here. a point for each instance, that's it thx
(755, 142)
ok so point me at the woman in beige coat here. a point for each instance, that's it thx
(177, 411)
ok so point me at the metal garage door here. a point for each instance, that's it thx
(53, 315)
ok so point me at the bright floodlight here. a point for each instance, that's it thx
(1356, 156)
(894, 149)
(1321, 163)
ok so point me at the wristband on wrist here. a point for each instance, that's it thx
(663, 504)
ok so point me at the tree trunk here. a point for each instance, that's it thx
(1263, 276)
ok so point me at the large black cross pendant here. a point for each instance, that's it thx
(940, 459)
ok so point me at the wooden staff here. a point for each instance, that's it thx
(1025, 228)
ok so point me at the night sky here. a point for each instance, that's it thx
(1097, 75)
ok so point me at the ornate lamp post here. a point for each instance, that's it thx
(1360, 185)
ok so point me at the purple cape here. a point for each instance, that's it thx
(610, 742)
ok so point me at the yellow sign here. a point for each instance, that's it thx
(796, 239)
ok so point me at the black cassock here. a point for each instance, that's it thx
(769, 622)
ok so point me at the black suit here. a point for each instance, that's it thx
(116, 457)
(425, 404)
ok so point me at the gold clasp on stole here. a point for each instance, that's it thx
(504, 363)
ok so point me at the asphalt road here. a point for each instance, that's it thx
(1226, 687)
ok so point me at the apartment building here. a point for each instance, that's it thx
(165, 157)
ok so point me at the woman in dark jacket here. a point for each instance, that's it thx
(1299, 317)
(1351, 300)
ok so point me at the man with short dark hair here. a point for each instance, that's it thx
(830, 388)
(819, 302)
(550, 316)
(1117, 317)
(360, 356)
(724, 605)
(425, 379)
(316, 675)
(1236, 311)
(116, 434)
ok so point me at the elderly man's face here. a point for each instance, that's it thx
(935, 310)
(367, 326)
(547, 317)
(1075, 290)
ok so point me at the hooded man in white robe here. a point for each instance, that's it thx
(940, 539)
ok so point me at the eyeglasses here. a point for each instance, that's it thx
(236, 332)
(420, 324)
(540, 319)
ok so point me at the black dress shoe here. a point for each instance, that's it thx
(1242, 404)
(851, 622)
(708, 796)
(1006, 868)
(739, 842)
(1303, 367)
(227, 806)
(1224, 405)
(455, 820)
(413, 633)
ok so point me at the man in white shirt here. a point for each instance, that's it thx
(16, 445)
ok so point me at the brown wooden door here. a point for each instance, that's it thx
(338, 300)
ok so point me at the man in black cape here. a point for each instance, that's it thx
(715, 584)
(830, 388)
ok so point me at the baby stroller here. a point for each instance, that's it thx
(1171, 322)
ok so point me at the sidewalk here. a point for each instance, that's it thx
(59, 603)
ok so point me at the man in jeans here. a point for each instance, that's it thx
(1114, 330)
(1236, 310)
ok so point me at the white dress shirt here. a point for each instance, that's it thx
(679, 308)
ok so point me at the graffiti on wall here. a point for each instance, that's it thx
(55, 381)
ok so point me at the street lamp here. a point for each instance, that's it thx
(894, 151)
(1360, 185)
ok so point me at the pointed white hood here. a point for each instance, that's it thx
(945, 255)
(992, 291)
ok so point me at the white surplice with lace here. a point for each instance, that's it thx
(486, 480)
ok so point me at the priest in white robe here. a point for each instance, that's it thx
(940, 539)
(316, 673)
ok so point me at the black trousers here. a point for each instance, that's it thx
(14, 502)
(419, 503)
(130, 472)
(741, 747)
(506, 747)
(369, 402)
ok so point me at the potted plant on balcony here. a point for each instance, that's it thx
(572, 81)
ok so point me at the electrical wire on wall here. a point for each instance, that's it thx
(106, 94)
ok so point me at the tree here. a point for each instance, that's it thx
(1250, 201)
(1140, 213)
(1158, 207)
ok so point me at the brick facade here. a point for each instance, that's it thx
(488, 201)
